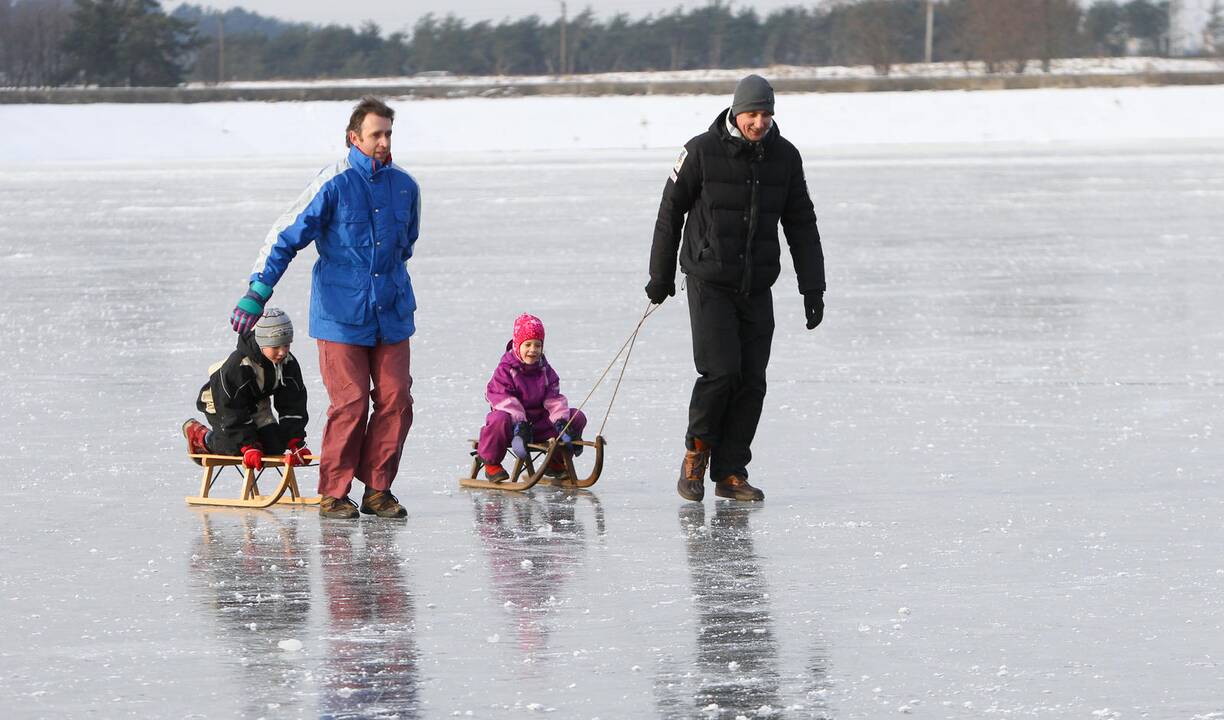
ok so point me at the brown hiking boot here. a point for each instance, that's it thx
(337, 508)
(194, 431)
(496, 473)
(382, 503)
(691, 485)
(737, 488)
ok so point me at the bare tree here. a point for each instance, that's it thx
(1213, 32)
(1059, 30)
(31, 32)
(1003, 33)
(873, 33)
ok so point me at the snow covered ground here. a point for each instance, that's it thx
(994, 484)
(823, 123)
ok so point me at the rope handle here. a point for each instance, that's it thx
(628, 344)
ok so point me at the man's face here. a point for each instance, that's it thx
(375, 137)
(754, 124)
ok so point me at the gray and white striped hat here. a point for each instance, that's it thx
(274, 329)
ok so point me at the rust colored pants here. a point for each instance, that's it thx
(357, 447)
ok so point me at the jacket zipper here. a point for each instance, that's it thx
(746, 280)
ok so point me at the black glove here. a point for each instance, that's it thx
(569, 436)
(660, 291)
(813, 308)
(522, 438)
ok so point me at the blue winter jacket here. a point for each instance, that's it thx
(364, 218)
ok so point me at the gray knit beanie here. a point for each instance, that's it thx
(753, 93)
(273, 329)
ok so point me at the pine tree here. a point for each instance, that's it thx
(127, 43)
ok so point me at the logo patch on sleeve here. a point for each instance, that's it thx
(675, 173)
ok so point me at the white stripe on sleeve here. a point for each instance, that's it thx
(290, 216)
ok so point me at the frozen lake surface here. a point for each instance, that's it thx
(993, 479)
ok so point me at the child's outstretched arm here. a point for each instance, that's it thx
(503, 395)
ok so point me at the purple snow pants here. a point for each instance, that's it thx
(499, 429)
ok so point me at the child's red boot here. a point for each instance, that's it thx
(195, 431)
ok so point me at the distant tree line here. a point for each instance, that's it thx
(133, 42)
(93, 42)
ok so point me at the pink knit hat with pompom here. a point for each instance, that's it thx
(527, 327)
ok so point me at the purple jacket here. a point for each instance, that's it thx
(526, 392)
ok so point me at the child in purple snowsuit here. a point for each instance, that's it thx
(526, 402)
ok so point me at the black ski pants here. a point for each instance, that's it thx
(223, 441)
(732, 335)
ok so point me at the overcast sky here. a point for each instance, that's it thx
(392, 15)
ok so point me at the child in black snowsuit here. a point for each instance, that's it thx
(260, 376)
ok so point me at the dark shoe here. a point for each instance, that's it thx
(337, 508)
(496, 473)
(737, 488)
(382, 503)
(194, 431)
(691, 485)
(556, 466)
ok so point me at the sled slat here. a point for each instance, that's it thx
(285, 493)
(534, 476)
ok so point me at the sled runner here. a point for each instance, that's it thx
(214, 465)
(532, 476)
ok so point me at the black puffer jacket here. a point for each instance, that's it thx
(242, 391)
(735, 193)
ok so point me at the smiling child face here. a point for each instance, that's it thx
(531, 350)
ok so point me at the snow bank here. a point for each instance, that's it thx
(1062, 66)
(224, 131)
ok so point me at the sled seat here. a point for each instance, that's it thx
(531, 475)
(251, 497)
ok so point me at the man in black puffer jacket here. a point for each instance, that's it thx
(735, 183)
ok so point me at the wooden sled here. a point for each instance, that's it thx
(251, 497)
(532, 476)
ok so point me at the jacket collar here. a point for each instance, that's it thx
(248, 347)
(364, 164)
(732, 129)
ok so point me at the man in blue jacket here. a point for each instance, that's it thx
(363, 214)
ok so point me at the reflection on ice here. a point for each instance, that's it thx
(736, 671)
(370, 665)
(532, 544)
(251, 574)
(1006, 427)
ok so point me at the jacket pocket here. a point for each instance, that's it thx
(340, 294)
(766, 250)
(728, 249)
(700, 248)
(405, 298)
(403, 219)
(354, 229)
